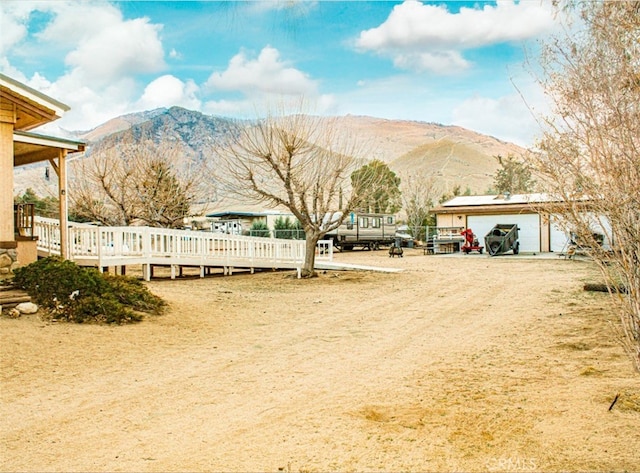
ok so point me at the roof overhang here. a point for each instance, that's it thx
(30, 107)
(31, 148)
(230, 214)
(520, 203)
(487, 209)
(481, 204)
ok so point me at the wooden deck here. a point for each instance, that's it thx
(104, 247)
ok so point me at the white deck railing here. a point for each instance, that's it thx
(118, 246)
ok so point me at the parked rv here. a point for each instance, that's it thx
(366, 230)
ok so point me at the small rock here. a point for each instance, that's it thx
(5, 261)
(27, 308)
(13, 313)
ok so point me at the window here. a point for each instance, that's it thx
(375, 222)
(389, 220)
(364, 222)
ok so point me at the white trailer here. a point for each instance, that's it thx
(367, 230)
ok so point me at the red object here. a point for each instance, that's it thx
(468, 235)
(470, 242)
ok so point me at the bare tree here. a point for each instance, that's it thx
(419, 192)
(135, 183)
(588, 157)
(298, 162)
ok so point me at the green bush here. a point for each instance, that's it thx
(259, 229)
(287, 229)
(82, 295)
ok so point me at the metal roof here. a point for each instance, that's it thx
(233, 213)
(475, 200)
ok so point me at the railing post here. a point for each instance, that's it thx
(98, 234)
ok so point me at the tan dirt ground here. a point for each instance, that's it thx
(464, 363)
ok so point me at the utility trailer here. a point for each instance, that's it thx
(501, 239)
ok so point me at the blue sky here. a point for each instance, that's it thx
(453, 63)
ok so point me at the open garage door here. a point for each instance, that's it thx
(529, 225)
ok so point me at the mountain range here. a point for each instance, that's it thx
(455, 156)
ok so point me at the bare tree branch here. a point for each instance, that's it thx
(298, 162)
(589, 155)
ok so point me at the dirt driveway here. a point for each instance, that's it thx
(455, 364)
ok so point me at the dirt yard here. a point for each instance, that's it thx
(455, 364)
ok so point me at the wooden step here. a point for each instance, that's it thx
(12, 297)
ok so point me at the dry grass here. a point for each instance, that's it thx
(456, 364)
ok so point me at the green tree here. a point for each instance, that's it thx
(44, 207)
(164, 200)
(286, 228)
(455, 191)
(259, 229)
(386, 196)
(513, 177)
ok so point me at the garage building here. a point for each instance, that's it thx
(538, 229)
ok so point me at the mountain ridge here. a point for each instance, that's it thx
(454, 155)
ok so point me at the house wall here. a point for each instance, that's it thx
(545, 233)
(451, 220)
(6, 178)
(27, 252)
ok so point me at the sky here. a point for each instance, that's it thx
(448, 62)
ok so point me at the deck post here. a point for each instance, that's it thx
(146, 242)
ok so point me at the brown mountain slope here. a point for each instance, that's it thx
(451, 163)
(456, 156)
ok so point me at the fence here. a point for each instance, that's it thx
(110, 246)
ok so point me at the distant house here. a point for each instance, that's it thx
(237, 222)
(538, 225)
(22, 109)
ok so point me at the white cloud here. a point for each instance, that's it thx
(511, 117)
(264, 81)
(103, 45)
(126, 48)
(420, 36)
(13, 17)
(167, 91)
(90, 106)
(442, 62)
(104, 54)
(266, 74)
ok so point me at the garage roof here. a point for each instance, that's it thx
(472, 200)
